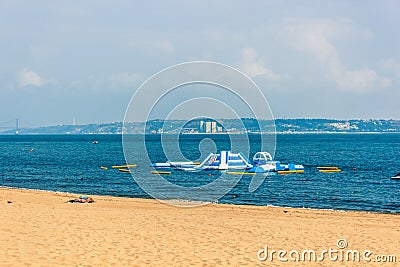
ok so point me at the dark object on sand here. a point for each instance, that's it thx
(81, 199)
(9, 202)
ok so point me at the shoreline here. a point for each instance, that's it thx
(181, 202)
(222, 133)
(41, 228)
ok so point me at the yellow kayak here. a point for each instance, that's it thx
(160, 172)
(241, 173)
(330, 170)
(291, 172)
(124, 166)
(327, 168)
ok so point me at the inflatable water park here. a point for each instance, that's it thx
(228, 161)
(231, 163)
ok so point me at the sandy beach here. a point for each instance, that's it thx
(40, 228)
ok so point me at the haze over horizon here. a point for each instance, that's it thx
(312, 59)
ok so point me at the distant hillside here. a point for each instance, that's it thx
(327, 125)
(223, 125)
(105, 128)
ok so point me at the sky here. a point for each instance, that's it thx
(61, 60)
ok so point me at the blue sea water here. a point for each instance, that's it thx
(71, 163)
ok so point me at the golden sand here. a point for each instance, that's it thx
(41, 229)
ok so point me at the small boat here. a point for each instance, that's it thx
(396, 177)
(124, 170)
(103, 168)
(95, 142)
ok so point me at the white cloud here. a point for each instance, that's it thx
(163, 46)
(30, 78)
(358, 80)
(110, 82)
(150, 46)
(253, 67)
(124, 80)
(314, 37)
(392, 66)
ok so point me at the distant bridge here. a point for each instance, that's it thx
(14, 124)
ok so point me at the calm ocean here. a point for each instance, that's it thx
(71, 163)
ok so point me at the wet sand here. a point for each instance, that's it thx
(41, 229)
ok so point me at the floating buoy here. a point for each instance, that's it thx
(241, 173)
(160, 172)
(329, 169)
(291, 172)
(124, 166)
(103, 168)
(332, 170)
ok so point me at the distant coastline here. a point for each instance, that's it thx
(222, 126)
(206, 134)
